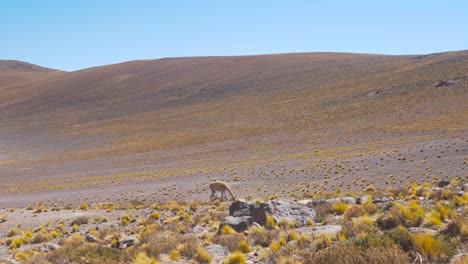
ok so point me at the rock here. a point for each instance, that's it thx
(242, 214)
(382, 200)
(50, 247)
(290, 212)
(127, 241)
(318, 201)
(240, 223)
(91, 238)
(165, 258)
(465, 187)
(333, 200)
(245, 208)
(318, 230)
(304, 202)
(361, 200)
(252, 257)
(415, 230)
(459, 258)
(216, 251)
(444, 83)
(198, 229)
(442, 184)
(348, 200)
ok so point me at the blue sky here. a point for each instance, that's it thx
(71, 35)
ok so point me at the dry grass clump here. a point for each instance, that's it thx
(80, 252)
(354, 211)
(339, 208)
(81, 220)
(359, 226)
(401, 237)
(235, 258)
(413, 213)
(202, 255)
(230, 241)
(434, 249)
(161, 243)
(142, 258)
(346, 252)
(83, 206)
(260, 236)
(432, 219)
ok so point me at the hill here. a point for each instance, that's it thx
(203, 115)
(17, 72)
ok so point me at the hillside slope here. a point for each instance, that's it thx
(17, 72)
(201, 115)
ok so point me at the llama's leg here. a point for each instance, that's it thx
(212, 195)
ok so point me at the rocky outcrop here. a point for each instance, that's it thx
(290, 212)
(242, 214)
(254, 210)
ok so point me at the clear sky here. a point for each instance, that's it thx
(71, 35)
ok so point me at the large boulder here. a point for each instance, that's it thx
(242, 214)
(245, 208)
(291, 212)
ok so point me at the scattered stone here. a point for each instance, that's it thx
(126, 242)
(318, 201)
(318, 230)
(239, 224)
(333, 200)
(361, 200)
(50, 247)
(198, 229)
(305, 202)
(91, 238)
(442, 184)
(465, 187)
(418, 230)
(459, 258)
(348, 200)
(165, 258)
(444, 83)
(216, 251)
(382, 200)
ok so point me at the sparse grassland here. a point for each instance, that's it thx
(395, 231)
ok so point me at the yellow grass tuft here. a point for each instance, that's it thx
(21, 256)
(235, 258)
(228, 230)
(339, 208)
(202, 255)
(244, 247)
(142, 258)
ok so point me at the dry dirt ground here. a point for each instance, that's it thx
(156, 176)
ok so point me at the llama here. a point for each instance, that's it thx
(222, 187)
